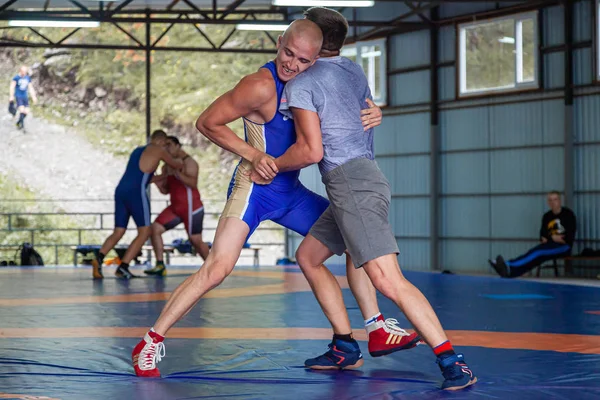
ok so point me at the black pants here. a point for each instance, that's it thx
(536, 256)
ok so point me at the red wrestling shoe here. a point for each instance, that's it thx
(147, 354)
(386, 337)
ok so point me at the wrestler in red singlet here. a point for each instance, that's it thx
(185, 206)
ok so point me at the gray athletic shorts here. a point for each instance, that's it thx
(357, 218)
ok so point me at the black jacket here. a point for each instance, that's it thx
(563, 223)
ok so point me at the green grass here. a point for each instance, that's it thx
(22, 224)
(183, 85)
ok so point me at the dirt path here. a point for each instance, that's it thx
(58, 164)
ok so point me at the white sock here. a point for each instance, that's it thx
(372, 319)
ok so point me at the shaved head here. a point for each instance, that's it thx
(305, 30)
(298, 48)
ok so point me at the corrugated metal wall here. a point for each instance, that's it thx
(498, 156)
(402, 149)
(587, 134)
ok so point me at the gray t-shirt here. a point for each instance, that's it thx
(335, 88)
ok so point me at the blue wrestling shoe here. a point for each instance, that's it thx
(123, 272)
(457, 375)
(341, 355)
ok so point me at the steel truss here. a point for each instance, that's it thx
(194, 16)
(231, 14)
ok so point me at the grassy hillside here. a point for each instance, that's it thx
(13, 190)
(101, 94)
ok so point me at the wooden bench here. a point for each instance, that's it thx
(167, 251)
(255, 252)
(85, 249)
(567, 263)
(255, 257)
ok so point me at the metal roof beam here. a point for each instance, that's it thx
(6, 5)
(234, 30)
(198, 11)
(140, 44)
(419, 10)
(68, 35)
(268, 35)
(165, 20)
(82, 7)
(230, 8)
(42, 36)
(131, 12)
(204, 35)
(165, 31)
(121, 6)
(8, 42)
(172, 4)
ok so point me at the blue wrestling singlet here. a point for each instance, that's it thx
(285, 200)
(131, 195)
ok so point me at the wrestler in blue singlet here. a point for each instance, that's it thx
(21, 90)
(131, 195)
(285, 200)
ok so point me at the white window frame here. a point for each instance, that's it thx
(597, 30)
(382, 99)
(518, 84)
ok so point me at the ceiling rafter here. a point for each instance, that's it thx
(166, 31)
(216, 12)
(204, 35)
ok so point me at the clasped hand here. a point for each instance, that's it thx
(263, 169)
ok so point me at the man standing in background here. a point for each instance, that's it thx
(20, 87)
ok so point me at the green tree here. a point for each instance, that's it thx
(183, 85)
(491, 54)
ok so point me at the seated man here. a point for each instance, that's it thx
(556, 234)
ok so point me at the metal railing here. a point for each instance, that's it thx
(28, 223)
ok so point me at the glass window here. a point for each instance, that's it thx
(598, 39)
(498, 55)
(371, 57)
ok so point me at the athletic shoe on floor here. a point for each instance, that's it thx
(341, 355)
(146, 355)
(386, 337)
(457, 374)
